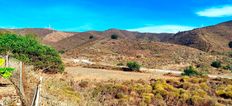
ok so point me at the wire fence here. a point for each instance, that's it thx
(25, 81)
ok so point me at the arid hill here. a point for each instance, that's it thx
(150, 49)
(209, 39)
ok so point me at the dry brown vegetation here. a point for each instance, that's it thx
(159, 92)
(211, 39)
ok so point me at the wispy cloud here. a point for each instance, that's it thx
(222, 11)
(80, 28)
(163, 29)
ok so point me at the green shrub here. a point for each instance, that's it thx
(230, 44)
(91, 37)
(228, 67)
(133, 66)
(30, 51)
(191, 71)
(114, 36)
(216, 64)
(6, 72)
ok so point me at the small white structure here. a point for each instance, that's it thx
(82, 61)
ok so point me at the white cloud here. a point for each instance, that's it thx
(222, 11)
(163, 29)
(79, 28)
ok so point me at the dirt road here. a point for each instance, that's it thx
(79, 73)
(100, 74)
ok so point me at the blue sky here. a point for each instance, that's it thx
(135, 15)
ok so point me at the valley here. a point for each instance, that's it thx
(97, 72)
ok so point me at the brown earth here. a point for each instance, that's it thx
(149, 49)
(209, 39)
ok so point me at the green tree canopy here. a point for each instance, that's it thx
(31, 51)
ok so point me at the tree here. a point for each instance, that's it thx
(114, 36)
(133, 66)
(230, 44)
(30, 51)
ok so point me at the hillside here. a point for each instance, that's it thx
(209, 39)
(149, 49)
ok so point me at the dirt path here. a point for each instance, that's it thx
(79, 73)
(228, 76)
(100, 74)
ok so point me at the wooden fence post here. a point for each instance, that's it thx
(37, 100)
(7, 60)
(21, 68)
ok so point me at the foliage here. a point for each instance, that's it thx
(2, 62)
(6, 72)
(230, 44)
(29, 50)
(164, 92)
(133, 66)
(216, 64)
(228, 67)
(191, 71)
(114, 36)
(91, 37)
(225, 91)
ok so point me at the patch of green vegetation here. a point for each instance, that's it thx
(133, 66)
(228, 67)
(114, 36)
(191, 71)
(5, 72)
(91, 37)
(216, 64)
(30, 51)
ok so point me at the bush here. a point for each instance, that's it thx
(30, 51)
(114, 36)
(133, 66)
(230, 44)
(228, 67)
(191, 71)
(91, 37)
(225, 92)
(216, 64)
(6, 72)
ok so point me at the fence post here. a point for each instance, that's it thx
(7, 60)
(38, 99)
(21, 88)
